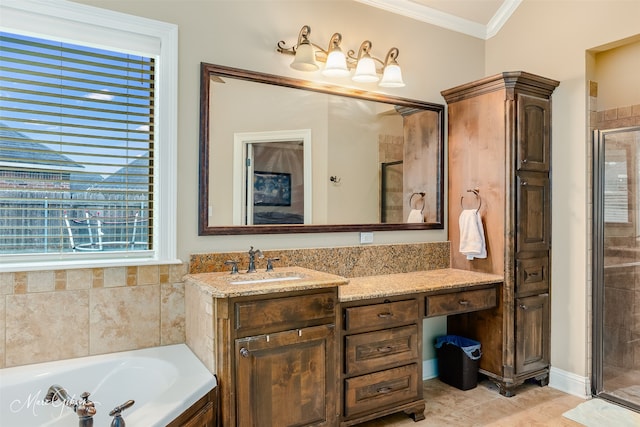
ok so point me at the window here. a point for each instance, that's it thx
(87, 150)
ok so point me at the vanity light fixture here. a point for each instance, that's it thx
(367, 67)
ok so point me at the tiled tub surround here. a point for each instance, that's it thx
(61, 314)
(349, 261)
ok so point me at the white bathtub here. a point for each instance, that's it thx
(163, 381)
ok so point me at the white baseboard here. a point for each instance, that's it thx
(429, 369)
(570, 383)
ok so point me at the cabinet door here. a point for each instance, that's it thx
(532, 333)
(533, 131)
(286, 378)
(533, 212)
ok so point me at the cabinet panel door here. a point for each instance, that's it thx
(532, 333)
(533, 212)
(286, 378)
(533, 130)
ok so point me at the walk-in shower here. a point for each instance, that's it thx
(616, 265)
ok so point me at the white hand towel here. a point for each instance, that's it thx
(472, 243)
(415, 216)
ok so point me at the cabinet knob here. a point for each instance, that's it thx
(524, 183)
(522, 306)
(244, 352)
(525, 160)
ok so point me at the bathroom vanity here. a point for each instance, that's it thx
(321, 349)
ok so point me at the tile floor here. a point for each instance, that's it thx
(484, 406)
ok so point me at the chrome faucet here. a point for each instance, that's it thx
(252, 259)
(84, 408)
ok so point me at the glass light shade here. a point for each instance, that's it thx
(365, 71)
(336, 64)
(392, 76)
(305, 59)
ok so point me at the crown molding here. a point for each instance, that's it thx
(432, 16)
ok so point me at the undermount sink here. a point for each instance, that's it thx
(271, 279)
(265, 277)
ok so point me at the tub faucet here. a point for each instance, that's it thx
(116, 413)
(252, 259)
(84, 407)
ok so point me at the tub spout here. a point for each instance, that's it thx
(56, 392)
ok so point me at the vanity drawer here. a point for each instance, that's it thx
(532, 276)
(280, 314)
(381, 389)
(460, 302)
(373, 351)
(380, 316)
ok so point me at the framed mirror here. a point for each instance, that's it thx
(283, 155)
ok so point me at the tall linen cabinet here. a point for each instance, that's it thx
(500, 146)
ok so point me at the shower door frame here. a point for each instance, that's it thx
(597, 295)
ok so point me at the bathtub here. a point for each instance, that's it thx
(163, 381)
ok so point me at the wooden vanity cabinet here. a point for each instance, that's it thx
(277, 355)
(500, 144)
(381, 358)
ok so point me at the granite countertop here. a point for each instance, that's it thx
(415, 282)
(225, 285)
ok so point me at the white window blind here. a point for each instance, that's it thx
(76, 148)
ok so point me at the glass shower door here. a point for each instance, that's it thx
(616, 266)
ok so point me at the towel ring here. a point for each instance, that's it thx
(421, 194)
(477, 193)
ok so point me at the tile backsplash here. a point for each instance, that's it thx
(349, 261)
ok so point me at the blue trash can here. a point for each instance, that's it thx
(458, 360)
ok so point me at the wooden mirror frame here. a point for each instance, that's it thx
(204, 229)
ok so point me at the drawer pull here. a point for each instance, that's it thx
(384, 390)
(386, 349)
(385, 315)
(463, 302)
(244, 352)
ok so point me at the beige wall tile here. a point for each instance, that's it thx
(6, 283)
(172, 313)
(148, 275)
(115, 276)
(176, 272)
(124, 318)
(80, 279)
(199, 325)
(40, 281)
(46, 326)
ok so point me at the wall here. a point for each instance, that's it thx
(616, 71)
(551, 39)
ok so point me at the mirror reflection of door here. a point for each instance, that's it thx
(272, 179)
